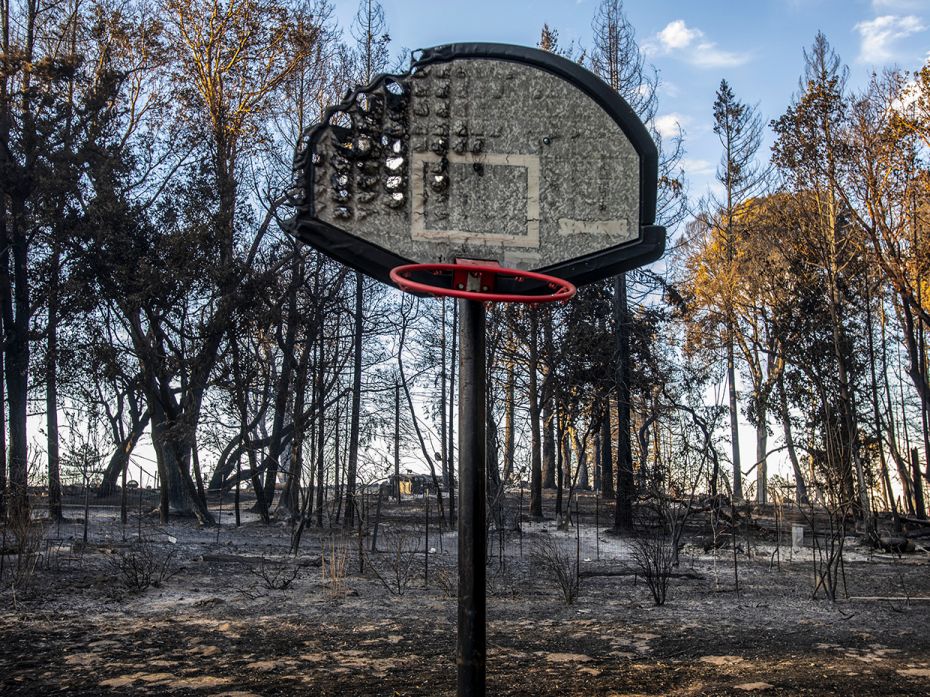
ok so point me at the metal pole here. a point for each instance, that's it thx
(472, 630)
(374, 537)
(397, 441)
(520, 516)
(426, 558)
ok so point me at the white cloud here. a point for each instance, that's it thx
(645, 90)
(677, 34)
(690, 44)
(668, 125)
(669, 89)
(877, 36)
(910, 94)
(707, 55)
(698, 168)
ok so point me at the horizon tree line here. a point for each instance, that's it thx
(146, 286)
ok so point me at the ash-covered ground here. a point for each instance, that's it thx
(239, 614)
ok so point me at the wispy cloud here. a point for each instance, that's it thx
(884, 5)
(877, 36)
(669, 125)
(669, 89)
(698, 168)
(691, 45)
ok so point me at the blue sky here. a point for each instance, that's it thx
(755, 44)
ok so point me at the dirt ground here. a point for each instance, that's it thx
(216, 627)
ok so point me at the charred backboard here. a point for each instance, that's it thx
(481, 151)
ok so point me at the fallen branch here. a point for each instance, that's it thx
(893, 599)
(591, 573)
(237, 559)
(917, 522)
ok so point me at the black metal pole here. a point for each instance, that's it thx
(426, 557)
(397, 440)
(470, 656)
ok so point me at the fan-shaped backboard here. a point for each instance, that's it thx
(482, 151)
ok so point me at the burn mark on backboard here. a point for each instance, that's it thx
(498, 156)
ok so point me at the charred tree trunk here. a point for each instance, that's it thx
(850, 430)
(800, 486)
(198, 475)
(352, 465)
(581, 457)
(337, 485)
(606, 460)
(548, 444)
(14, 296)
(290, 497)
(623, 513)
(919, 508)
(762, 445)
(6, 287)
(492, 436)
(734, 424)
(120, 457)
(169, 499)
(16, 111)
(891, 441)
(3, 458)
(416, 422)
(562, 463)
(548, 411)
(492, 464)
(51, 388)
(173, 454)
(242, 405)
(535, 463)
(282, 396)
(321, 431)
(876, 412)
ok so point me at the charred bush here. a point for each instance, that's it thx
(143, 565)
(397, 564)
(28, 535)
(559, 565)
(654, 553)
(277, 575)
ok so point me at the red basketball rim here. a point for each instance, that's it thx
(472, 280)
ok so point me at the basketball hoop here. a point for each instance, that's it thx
(480, 152)
(485, 281)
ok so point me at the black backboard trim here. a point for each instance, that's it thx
(377, 261)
